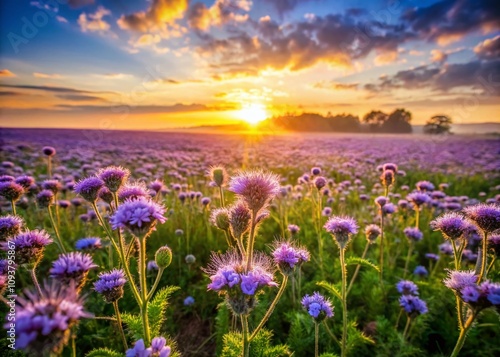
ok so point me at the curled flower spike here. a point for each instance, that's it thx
(89, 188)
(486, 217)
(218, 175)
(317, 306)
(239, 219)
(29, 246)
(110, 285)
(341, 228)
(452, 225)
(287, 256)
(256, 188)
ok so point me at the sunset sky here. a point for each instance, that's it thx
(175, 63)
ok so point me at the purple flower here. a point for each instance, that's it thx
(131, 191)
(387, 178)
(188, 301)
(413, 305)
(493, 243)
(446, 248)
(11, 190)
(43, 323)
(152, 265)
(425, 186)
(421, 271)
(49, 151)
(72, 266)
(139, 216)
(432, 256)
(381, 201)
(486, 217)
(52, 185)
(418, 198)
(327, 211)
(89, 188)
(256, 188)
(315, 171)
(158, 348)
(45, 198)
(390, 166)
(239, 217)
(388, 208)
(320, 182)
(317, 306)
(25, 181)
(413, 234)
(293, 229)
(110, 285)
(452, 225)
(29, 246)
(287, 256)
(407, 287)
(88, 244)
(457, 280)
(372, 232)
(341, 228)
(106, 195)
(113, 177)
(470, 293)
(10, 225)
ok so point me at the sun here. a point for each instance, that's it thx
(252, 113)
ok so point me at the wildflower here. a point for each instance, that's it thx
(319, 182)
(425, 186)
(7, 178)
(11, 191)
(432, 256)
(29, 246)
(48, 151)
(457, 279)
(381, 201)
(132, 191)
(388, 208)
(493, 243)
(44, 323)
(315, 171)
(452, 225)
(413, 234)
(420, 271)
(89, 188)
(139, 216)
(163, 257)
(418, 198)
(317, 306)
(293, 229)
(72, 266)
(220, 218)
(63, 203)
(110, 285)
(341, 228)
(218, 175)
(372, 232)
(486, 217)
(387, 178)
(179, 232)
(25, 181)
(287, 256)
(256, 188)
(113, 177)
(152, 265)
(205, 201)
(158, 348)
(407, 287)
(10, 226)
(390, 166)
(239, 217)
(45, 198)
(188, 301)
(446, 248)
(88, 244)
(52, 185)
(190, 259)
(105, 194)
(326, 212)
(157, 186)
(413, 305)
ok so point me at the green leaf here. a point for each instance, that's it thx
(134, 325)
(157, 308)
(331, 288)
(103, 352)
(361, 261)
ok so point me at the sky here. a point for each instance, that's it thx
(159, 64)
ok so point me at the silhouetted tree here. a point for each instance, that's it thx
(398, 122)
(438, 124)
(375, 119)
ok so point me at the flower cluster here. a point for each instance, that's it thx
(256, 188)
(89, 244)
(113, 177)
(10, 226)
(287, 257)
(407, 287)
(72, 266)
(158, 348)
(409, 299)
(413, 234)
(464, 285)
(317, 306)
(486, 217)
(89, 188)
(418, 198)
(110, 285)
(451, 224)
(341, 228)
(29, 246)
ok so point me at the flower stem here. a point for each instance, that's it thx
(316, 339)
(56, 231)
(407, 327)
(13, 205)
(119, 322)
(35, 281)
(251, 239)
(491, 264)
(463, 335)
(155, 285)
(381, 245)
(357, 268)
(417, 217)
(483, 273)
(408, 257)
(221, 195)
(246, 342)
(49, 167)
(271, 308)
(144, 289)
(344, 302)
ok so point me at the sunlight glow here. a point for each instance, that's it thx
(253, 113)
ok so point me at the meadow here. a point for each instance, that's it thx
(222, 240)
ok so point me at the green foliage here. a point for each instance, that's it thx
(362, 262)
(103, 352)
(222, 323)
(259, 347)
(134, 325)
(301, 335)
(157, 308)
(331, 288)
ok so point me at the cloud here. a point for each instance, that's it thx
(81, 98)
(114, 75)
(489, 48)
(332, 85)
(45, 75)
(448, 21)
(8, 93)
(94, 22)
(200, 17)
(79, 3)
(159, 14)
(144, 109)
(438, 56)
(284, 6)
(61, 19)
(49, 89)
(385, 58)
(6, 73)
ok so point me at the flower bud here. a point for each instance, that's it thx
(163, 257)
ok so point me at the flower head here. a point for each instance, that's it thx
(287, 256)
(341, 228)
(113, 177)
(418, 198)
(256, 188)
(317, 306)
(372, 232)
(413, 234)
(381, 201)
(188, 301)
(457, 279)
(485, 216)
(139, 216)
(48, 151)
(388, 208)
(425, 186)
(53, 185)
(43, 323)
(29, 246)
(293, 229)
(239, 219)
(89, 188)
(421, 271)
(220, 218)
(320, 182)
(132, 190)
(110, 285)
(158, 348)
(11, 190)
(387, 178)
(413, 305)
(72, 266)
(10, 225)
(218, 175)
(390, 166)
(407, 287)
(88, 244)
(25, 181)
(451, 224)
(45, 198)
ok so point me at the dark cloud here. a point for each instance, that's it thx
(45, 88)
(7, 93)
(142, 109)
(81, 98)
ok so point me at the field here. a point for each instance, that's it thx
(182, 173)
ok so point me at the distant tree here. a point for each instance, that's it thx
(375, 119)
(438, 124)
(399, 121)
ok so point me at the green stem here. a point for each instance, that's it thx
(407, 327)
(35, 281)
(221, 195)
(484, 260)
(144, 289)
(417, 217)
(119, 322)
(49, 167)
(357, 268)
(408, 257)
(13, 205)
(331, 333)
(251, 239)
(56, 231)
(246, 342)
(491, 264)
(271, 308)
(381, 245)
(457, 298)
(344, 302)
(463, 335)
(73, 345)
(316, 339)
(155, 285)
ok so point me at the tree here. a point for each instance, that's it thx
(375, 119)
(438, 124)
(398, 122)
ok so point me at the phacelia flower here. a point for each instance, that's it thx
(317, 306)
(10, 226)
(220, 218)
(157, 186)
(413, 234)
(432, 256)
(11, 190)
(48, 151)
(457, 279)
(287, 256)
(390, 166)
(381, 201)
(88, 244)
(387, 178)
(25, 181)
(158, 348)
(45, 198)
(407, 287)
(256, 188)
(105, 194)
(320, 182)
(326, 212)
(188, 301)
(44, 323)
(218, 176)
(29, 246)
(425, 186)
(413, 305)
(53, 185)
(113, 177)
(293, 229)
(485, 216)
(446, 248)
(110, 285)
(420, 271)
(152, 266)
(341, 228)
(239, 219)
(132, 191)
(372, 232)
(139, 216)
(72, 266)
(388, 208)
(315, 171)
(418, 198)
(89, 188)
(451, 224)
